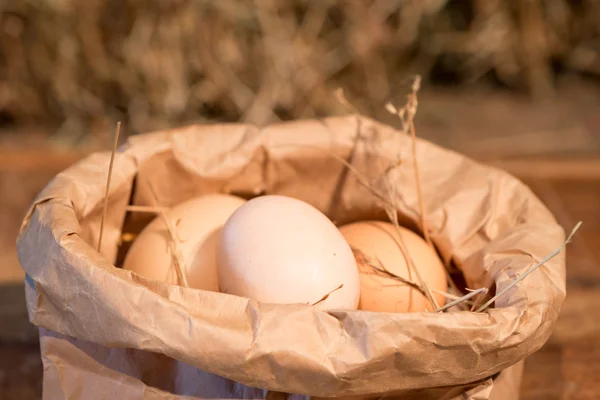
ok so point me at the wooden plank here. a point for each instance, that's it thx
(495, 125)
(20, 371)
(561, 372)
(35, 160)
(567, 366)
(571, 169)
(13, 314)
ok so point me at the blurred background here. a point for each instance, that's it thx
(511, 83)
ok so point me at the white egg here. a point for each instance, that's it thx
(278, 249)
(197, 224)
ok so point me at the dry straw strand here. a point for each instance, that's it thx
(339, 96)
(476, 302)
(450, 296)
(463, 299)
(391, 208)
(380, 269)
(406, 115)
(322, 299)
(110, 169)
(393, 215)
(361, 179)
(531, 269)
(177, 256)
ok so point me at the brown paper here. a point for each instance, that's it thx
(108, 332)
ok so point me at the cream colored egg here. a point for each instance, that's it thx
(376, 247)
(278, 249)
(197, 224)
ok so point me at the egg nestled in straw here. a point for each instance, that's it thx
(197, 223)
(278, 249)
(385, 273)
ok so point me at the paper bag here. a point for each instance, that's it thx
(108, 333)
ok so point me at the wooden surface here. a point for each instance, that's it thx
(568, 366)
(23, 173)
(565, 177)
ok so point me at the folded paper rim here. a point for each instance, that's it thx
(341, 353)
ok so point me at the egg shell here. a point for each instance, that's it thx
(376, 242)
(197, 223)
(278, 249)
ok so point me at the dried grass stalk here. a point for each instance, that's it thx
(174, 245)
(155, 65)
(109, 175)
(322, 299)
(379, 269)
(460, 300)
(530, 270)
(390, 200)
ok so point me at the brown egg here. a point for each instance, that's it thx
(376, 248)
(197, 223)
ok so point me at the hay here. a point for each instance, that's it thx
(80, 66)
